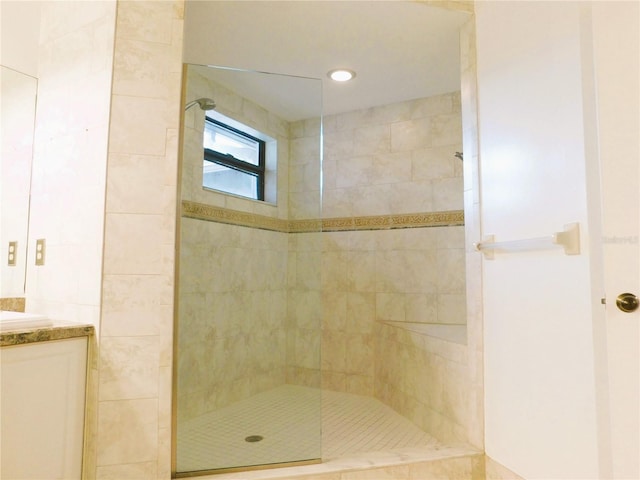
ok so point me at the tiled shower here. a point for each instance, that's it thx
(130, 301)
(305, 294)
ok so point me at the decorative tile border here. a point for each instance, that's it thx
(210, 213)
(387, 222)
(305, 226)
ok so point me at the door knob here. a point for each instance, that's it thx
(627, 302)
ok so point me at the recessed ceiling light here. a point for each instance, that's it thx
(341, 75)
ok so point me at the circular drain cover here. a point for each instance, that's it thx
(253, 438)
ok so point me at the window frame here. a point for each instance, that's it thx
(229, 161)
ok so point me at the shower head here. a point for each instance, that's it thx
(205, 104)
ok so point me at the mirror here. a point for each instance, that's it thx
(18, 106)
(249, 304)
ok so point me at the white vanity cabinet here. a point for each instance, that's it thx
(42, 403)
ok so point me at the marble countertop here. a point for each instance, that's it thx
(58, 331)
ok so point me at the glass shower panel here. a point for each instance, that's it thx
(247, 355)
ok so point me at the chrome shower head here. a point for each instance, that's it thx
(205, 104)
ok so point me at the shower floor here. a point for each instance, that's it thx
(288, 419)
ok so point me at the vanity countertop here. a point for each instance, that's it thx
(58, 331)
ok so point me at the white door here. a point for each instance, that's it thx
(558, 114)
(617, 73)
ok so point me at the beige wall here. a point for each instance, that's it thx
(305, 170)
(232, 312)
(473, 261)
(381, 163)
(412, 274)
(393, 159)
(240, 286)
(436, 383)
(425, 379)
(134, 372)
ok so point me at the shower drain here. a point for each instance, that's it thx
(253, 438)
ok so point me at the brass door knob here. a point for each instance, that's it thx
(627, 302)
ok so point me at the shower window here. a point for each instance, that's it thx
(234, 160)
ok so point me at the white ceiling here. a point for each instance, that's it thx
(400, 49)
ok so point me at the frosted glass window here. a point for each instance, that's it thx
(229, 180)
(234, 161)
(224, 140)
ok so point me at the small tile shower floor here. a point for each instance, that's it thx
(289, 419)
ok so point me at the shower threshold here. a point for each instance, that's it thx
(357, 432)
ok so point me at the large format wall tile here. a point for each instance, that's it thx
(134, 418)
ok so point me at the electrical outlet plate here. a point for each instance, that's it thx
(40, 251)
(12, 254)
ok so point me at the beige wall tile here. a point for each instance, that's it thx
(390, 306)
(450, 271)
(338, 203)
(497, 471)
(66, 17)
(133, 304)
(335, 310)
(128, 367)
(446, 129)
(127, 431)
(436, 105)
(431, 163)
(471, 468)
(360, 312)
(361, 269)
(359, 354)
(135, 471)
(399, 472)
(136, 184)
(147, 21)
(372, 200)
(133, 418)
(354, 171)
(421, 308)
(138, 125)
(359, 384)
(372, 140)
(412, 197)
(334, 351)
(135, 76)
(164, 451)
(446, 194)
(451, 308)
(132, 245)
(411, 135)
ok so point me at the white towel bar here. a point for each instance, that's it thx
(569, 239)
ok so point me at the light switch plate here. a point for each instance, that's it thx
(40, 251)
(12, 254)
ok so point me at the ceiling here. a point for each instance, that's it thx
(399, 49)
